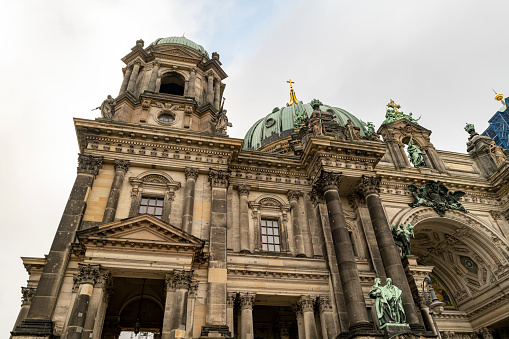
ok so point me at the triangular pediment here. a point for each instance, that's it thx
(141, 230)
(406, 124)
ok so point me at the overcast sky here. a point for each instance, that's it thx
(60, 59)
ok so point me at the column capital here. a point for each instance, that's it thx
(191, 173)
(230, 299)
(193, 289)
(307, 303)
(88, 274)
(156, 63)
(89, 164)
(246, 300)
(297, 308)
(369, 185)
(179, 280)
(219, 178)
(104, 280)
(121, 165)
(293, 195)
(137, 62)
(26, 295)
(327, 181)
(243, 190)
(324, 304)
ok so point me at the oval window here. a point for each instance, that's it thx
(270, 122)
(166, 118)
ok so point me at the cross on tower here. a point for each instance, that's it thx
(291, 82)
(393, 105)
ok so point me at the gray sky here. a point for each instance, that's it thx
(60, 59)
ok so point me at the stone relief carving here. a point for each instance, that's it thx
(435, 195)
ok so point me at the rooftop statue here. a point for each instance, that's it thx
(393, 113)
(389, 306)
(107, 108)
(470, 129)
(221, 120)
(435, 195)
(497, 153)
(402, 235)
(415, 154)
(371, 132)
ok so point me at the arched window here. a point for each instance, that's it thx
(172, 83)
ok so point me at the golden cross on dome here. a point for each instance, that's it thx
(293, 97)
(291, 82)
(394, 106)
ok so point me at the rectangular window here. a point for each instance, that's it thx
(153, 206)
(271, 239)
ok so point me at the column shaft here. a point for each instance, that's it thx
(79, 312)
(127, 76)
(153, 77)
(121, 167)
(230, 304)
(293, 197)
(175, 311)
(246, 313)
(300, 325)
(306, 229)
(351, 284)
(133, 77)
(96, 302)
(192, 80)
(188, 210)
(244, 219)
(217, 92)
(210, 89)
(38, 321)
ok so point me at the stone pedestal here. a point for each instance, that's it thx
(392, 330)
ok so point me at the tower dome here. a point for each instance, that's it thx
(280, 123)
(180, 41)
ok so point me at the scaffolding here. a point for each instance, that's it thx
(499, 127)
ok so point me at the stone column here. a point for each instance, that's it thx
(217, 272)
(217, 94)
(134, 76)
(26, 299)
(121, 167)
(245, 235)
(153, 76)
(38, 321)
(230, 306)
(315, 231)
(300, 320)
(87, 277)
(192, 81)
(326, 317)
(210, 89)
(368, 186)
(175, 310)
(187, 213)
(127, 76)
(327, 184)
(307, 304)
(293, 198)
(191, 301)
(305, 228)
(246, 314)
(96, 308)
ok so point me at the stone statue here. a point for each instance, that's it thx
(497, 154)
(389, 306)
(410, 118)
(402, 237)
(470, 129)
(107, 108)
(354, 133)
(221, 121)
(389, 117)
(415, 154)
(435, 195)
(315, 121)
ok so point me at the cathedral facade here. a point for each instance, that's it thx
(315, 225)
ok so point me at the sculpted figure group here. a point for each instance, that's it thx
(435, 195)
(402, 237)
(389, 306)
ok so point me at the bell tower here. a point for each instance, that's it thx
(172, 83)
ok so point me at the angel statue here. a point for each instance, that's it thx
(107, 107)
(415, 154)
(402, 237)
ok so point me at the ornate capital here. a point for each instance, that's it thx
(243, 190)
(307, 303)
(121, 165)
(104, 280)
(369, 185)
(296, 308)
(324, 304)
(88, 274)
(327, 181)
(26, 295)
(179, 280)
(193, 289)
(448, 334)
(156, 64)
(219, 178)
(496, 214)
(247, 300)
(293, 195)
(89, 164)
(484, 333)
(230, 299)
(137, 62)
(191, 173)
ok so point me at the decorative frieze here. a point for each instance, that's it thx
(246, 300)
(219, 178)
(89, 164)
(191, 173)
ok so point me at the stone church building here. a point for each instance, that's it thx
(175, 229)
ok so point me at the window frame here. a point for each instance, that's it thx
(268, 230)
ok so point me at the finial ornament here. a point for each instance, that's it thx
(392, 114)
(293, 97)
(498, 96)
(394, 106)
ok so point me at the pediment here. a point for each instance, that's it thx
(144, 230)
(403, 123)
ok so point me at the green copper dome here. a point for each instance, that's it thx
(180, 41)
(280, 122)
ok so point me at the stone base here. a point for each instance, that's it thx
(33, 329)
(365, 330)
(392, 330)
(217, 331)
